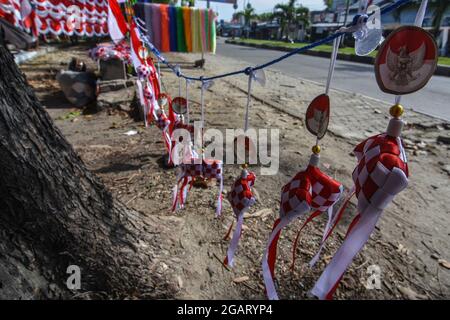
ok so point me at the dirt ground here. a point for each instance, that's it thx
(411, 244)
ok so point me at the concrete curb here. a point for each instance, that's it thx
(441, 70)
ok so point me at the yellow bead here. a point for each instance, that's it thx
(316, 149)
(396, 111)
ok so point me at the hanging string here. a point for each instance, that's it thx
(421, 13)
(363, 4)
(331, 68)
(187, 101)
(249, 94)
(179, 86)
(332, 63)
(159, 73)
(202, 102)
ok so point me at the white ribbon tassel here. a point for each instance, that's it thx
(267, 275)
(354, 241)
(219, 199)
(332, 63)
(330, 223)
(237, 233)
(325, 232)
(235, 239)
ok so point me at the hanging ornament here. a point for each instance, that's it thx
(259, 76)
(179, 105)
(243, 139)
(241, 196)
(382, 169)
(381, 173)
(406, 60)
(365, 29)
(241, 199)
(147, 94)
(163, 122)
(143, 52)
(318, 116)
(309, 189)
(198, 167)
(369, 37)
(143, 72)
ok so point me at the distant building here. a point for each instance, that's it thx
(230, 29)
(265, 30)
(325, 22)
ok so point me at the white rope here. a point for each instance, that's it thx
(187, 101)
(249, 93)
(179, 86)
(332, 63)
(202, 102)
(421, 13)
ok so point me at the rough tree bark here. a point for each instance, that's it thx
(55, 213)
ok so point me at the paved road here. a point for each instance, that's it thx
(434, 99)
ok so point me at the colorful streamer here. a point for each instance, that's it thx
(183, 29)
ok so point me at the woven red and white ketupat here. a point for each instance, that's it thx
(381, 173)
(309, 189)
(189, 170)
(241, 198)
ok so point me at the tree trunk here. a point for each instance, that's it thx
(55, 213)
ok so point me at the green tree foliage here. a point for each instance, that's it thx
(328, 3)
(266, 16)
(248, 13)
(290, 14)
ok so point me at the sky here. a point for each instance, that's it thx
(226, 10)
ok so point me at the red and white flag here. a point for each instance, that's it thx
(137, 49)
(117, 25)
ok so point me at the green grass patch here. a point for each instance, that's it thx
(70, 115)
(444, 60)
(324, 48)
